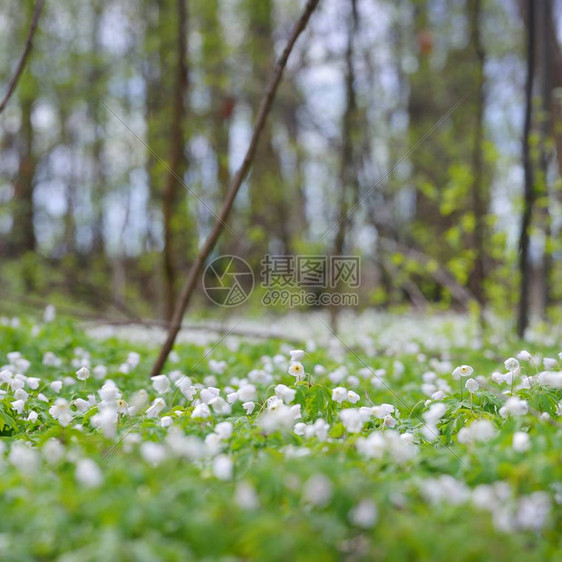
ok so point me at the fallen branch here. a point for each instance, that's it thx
(21, 65)
(461, 294)
(235, 184)
(213, 328)
(90, 318)
(408, 286)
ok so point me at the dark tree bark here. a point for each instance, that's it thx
(548, 71)
(96, 116)
(173, 189)
(22, 237)
(523, 315)
(552, 73)
(545, 22)
(69, 234)
(348, 162)
(23, 233)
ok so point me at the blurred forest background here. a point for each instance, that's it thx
(422, 135)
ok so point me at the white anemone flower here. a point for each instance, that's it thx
(285, 393)
(462, 371)
(106, 421)
(83, 373)
(514, 406)
(296, 355)
(339, 394)
(153, 453)
(318, 490)
(208, 394)
(223, 467)
(296, 370)
(109, 392)
(550, 364)
(161, 384)
(88, 473)
(53, 451)
(352, 420)
(33, 382)
(100, 371)
(61, 411)
(201, 411)
(511, 364)
(247, 392)
(224, 430)
(18, 406)
(56, 386)
(32, 417)
(521, 441)
(155, 408)
(249, 407)
(82, 405)
(246, 496)
(364, 514)
(472, 386)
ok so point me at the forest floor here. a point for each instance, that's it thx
(400, 438)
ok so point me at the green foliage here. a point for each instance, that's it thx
(178, 510)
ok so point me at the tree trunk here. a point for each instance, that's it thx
(172, 193)
(268, 215)
(523, 316)
(545, 15)
(23, 233)
(222, 102)
(96, 119)
(69, 234)
(348, 168)
(478, 201)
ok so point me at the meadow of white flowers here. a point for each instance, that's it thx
(258, 451)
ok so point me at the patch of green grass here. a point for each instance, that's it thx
(172, 487)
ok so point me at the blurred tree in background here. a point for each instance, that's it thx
(396, 135)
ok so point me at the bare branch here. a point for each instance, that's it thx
(9, 299)
(235, 184)
(250, 333)
(441, 275)
(21, 65)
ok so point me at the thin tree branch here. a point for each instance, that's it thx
(21, 65)
(235, 184)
